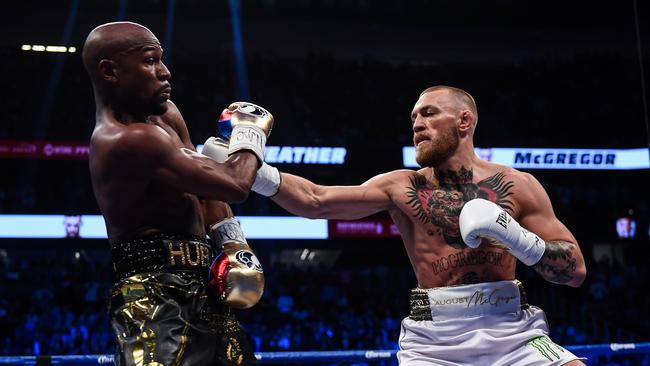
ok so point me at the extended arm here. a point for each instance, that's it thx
(304, 198)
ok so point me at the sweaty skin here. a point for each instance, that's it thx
(146, 175)
(425, 204)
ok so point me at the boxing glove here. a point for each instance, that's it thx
(481, 218)
(267, 181)
(247, 129)
(236, 275)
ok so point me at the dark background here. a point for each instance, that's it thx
(339, 73)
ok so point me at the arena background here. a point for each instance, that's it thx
(546, 75)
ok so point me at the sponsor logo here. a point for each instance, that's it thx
(253, 110)
(620, 346)
(502, 219)
(249, 259)
(105, 359)
(377, 354)
(478, 298)
(249, 136)
(546, 347)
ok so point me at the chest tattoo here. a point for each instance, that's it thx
(440, 203)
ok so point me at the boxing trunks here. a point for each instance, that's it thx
(481, 324)
(160, 310)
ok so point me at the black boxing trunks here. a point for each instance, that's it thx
(160, 310)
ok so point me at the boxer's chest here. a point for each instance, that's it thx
(434, 205)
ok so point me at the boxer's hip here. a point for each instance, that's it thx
(466, 301)
(480, 324)
(188, 255)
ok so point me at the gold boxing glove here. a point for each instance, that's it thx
(236, 275)
(251, 125)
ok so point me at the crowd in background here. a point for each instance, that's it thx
(54, 302)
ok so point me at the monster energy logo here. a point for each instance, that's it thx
(546, 347)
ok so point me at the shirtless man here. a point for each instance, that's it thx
(159, 198)
(462, 221)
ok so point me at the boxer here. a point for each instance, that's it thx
(172, 301)
(464, 223)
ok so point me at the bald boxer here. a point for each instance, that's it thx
(159, 198)
(464, 223)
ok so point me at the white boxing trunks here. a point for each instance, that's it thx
(485, 324)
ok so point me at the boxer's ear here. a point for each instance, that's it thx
(466, 121)
(107, 70)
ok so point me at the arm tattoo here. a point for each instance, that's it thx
(557, 264)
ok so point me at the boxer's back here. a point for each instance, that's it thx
(134, 203)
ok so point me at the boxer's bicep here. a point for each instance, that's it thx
(536, 212)
(562, 262)
(194, 173)
(152, 153)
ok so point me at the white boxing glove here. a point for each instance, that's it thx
(267, 180)
(481, 218)
(216, 148)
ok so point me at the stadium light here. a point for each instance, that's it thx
(42, 48)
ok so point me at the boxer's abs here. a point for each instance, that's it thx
(427, 218)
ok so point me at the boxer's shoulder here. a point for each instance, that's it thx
(525, 189)
(508, 173)
(396, 177)
(138, 140)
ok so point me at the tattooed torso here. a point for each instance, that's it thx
(428, 221)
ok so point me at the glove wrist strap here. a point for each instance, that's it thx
(227, 231)
(268, 180)
(248, 137)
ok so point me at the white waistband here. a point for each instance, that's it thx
(488, 298)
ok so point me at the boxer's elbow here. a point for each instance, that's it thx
(230, 191)
(578, 277)
(239, 191)
(309, 207)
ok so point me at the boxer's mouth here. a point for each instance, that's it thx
(418, 139)
(165, 91)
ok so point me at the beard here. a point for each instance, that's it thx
(158, 107)
(437, 150)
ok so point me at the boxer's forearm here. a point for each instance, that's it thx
(562, 263)
(298, 196)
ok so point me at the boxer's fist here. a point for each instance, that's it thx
(481, 218)
(245, 114)
(267, 181)
(216, 148)
(246, 126)
(236, 275)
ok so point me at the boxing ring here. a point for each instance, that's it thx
(591, 351)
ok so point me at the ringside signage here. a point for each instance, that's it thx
(94, 227)
(65, 150)
(554, 158)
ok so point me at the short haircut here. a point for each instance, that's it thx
(464, 97)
